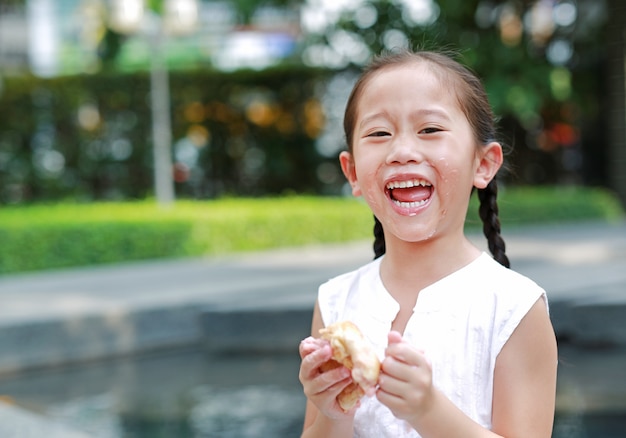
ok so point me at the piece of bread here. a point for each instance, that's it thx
(351, 350)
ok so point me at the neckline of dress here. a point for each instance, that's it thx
(391, 302)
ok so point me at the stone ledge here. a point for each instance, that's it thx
(590, 324)
(255, 330)
(56, 342)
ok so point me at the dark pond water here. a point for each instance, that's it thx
(191, 394)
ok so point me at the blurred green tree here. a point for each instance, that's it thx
(538, 60)
(544, 64)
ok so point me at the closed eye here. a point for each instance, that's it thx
(378, 134)
(430, 130)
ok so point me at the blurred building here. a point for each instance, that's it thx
(61, 37)
(13, 39)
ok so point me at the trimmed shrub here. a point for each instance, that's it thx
(63, 235)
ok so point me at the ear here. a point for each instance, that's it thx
(347, 166)
(489, 159)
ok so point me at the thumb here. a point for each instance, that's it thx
(394, 337)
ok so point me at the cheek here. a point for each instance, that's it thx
(449, 175)
(369, 188)
(455, 184)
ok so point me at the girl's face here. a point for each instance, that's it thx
(414, 158)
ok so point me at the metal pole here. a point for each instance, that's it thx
(161, 123)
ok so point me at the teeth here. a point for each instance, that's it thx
(407, 184)
(409, 204)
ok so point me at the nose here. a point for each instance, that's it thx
(404, 149)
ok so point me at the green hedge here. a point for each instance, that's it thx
(529, 205)
(63, 235)
(53, 236)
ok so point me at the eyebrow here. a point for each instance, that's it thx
(373, 117)
(432, 112)
(424, 112)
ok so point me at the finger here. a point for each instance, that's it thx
(390, 385)
(309, 345)
(406, 370)
(396, 369)
(332, 394)
(394, 337)
(309, 368)
(405, 352)
(371, 391)
(333, 381)
(318, 354)
(306, 347)
(388, 399)
(339, 381)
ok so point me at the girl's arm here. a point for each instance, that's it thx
(524, 386)
(525, 378)
(323, 418)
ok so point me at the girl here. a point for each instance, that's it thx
(466, 344)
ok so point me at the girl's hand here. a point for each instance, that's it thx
(322, 388)
(405, 382)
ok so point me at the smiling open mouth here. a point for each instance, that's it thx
(409, 193)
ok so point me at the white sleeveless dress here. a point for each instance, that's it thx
(461, 322)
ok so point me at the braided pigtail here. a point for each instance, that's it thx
(488, 212)
(379, 238)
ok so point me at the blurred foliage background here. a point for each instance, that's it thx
(88, 137)
(247, 123)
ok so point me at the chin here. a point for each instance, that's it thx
(411, 234)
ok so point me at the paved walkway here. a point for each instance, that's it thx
(90, 313)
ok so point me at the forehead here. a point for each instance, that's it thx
(420, 81)
(410, 69)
